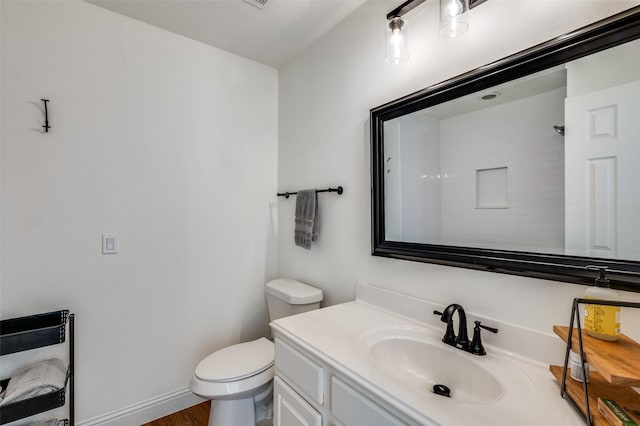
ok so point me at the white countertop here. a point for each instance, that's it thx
(336, 335)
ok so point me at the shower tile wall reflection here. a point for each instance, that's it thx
(431, 181)
(518, 135)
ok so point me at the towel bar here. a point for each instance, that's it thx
(339, 190)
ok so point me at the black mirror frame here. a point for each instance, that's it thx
(593, 38)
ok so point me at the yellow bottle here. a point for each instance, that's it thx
(600, 321)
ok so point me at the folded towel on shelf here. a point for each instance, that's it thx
(35, 379)
(306, 229)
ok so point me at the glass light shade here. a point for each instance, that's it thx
(397, 41)
(454, 17)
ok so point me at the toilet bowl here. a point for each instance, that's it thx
(236, 379)
(239, 378)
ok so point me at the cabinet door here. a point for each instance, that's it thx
(290, 408)
(299, 369)
(354, 409)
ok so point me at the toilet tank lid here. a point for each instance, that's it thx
(293, 292)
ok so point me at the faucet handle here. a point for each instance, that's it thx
(442, 318)
(486, 327)
(476, 347)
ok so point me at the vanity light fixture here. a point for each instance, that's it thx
(454, 21)
(397, 43)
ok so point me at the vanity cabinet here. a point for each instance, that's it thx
(353, 408)
(310, 392)
(301, 370)
(291, 409)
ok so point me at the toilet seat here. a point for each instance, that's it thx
(235, 371)
(237, 362)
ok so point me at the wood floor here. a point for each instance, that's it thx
(198, 415)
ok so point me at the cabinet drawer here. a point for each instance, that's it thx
(300, 370)
(291, 409)
(354, 409)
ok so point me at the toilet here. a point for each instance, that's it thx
(238, 379)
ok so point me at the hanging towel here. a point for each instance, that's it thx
(306, 229)
(35, 379)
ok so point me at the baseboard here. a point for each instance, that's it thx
(146, 411)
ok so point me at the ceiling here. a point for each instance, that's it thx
(270, 35)
(524, 87)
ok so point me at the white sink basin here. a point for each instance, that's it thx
(419, 359)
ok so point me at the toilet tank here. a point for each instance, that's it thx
(287, 297)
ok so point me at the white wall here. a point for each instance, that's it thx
(170, 143)
(325, 95)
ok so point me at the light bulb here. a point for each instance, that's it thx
(397, 46)
(454, 8)
(396, 39)
(453, 17)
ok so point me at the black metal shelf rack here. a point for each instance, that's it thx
(575, 317)
(31, 332)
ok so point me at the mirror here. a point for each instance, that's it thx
(525, 166)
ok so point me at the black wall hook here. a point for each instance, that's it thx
(46, 116)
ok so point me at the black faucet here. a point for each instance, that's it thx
(461, 341)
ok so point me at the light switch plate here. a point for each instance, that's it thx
(109, 243)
